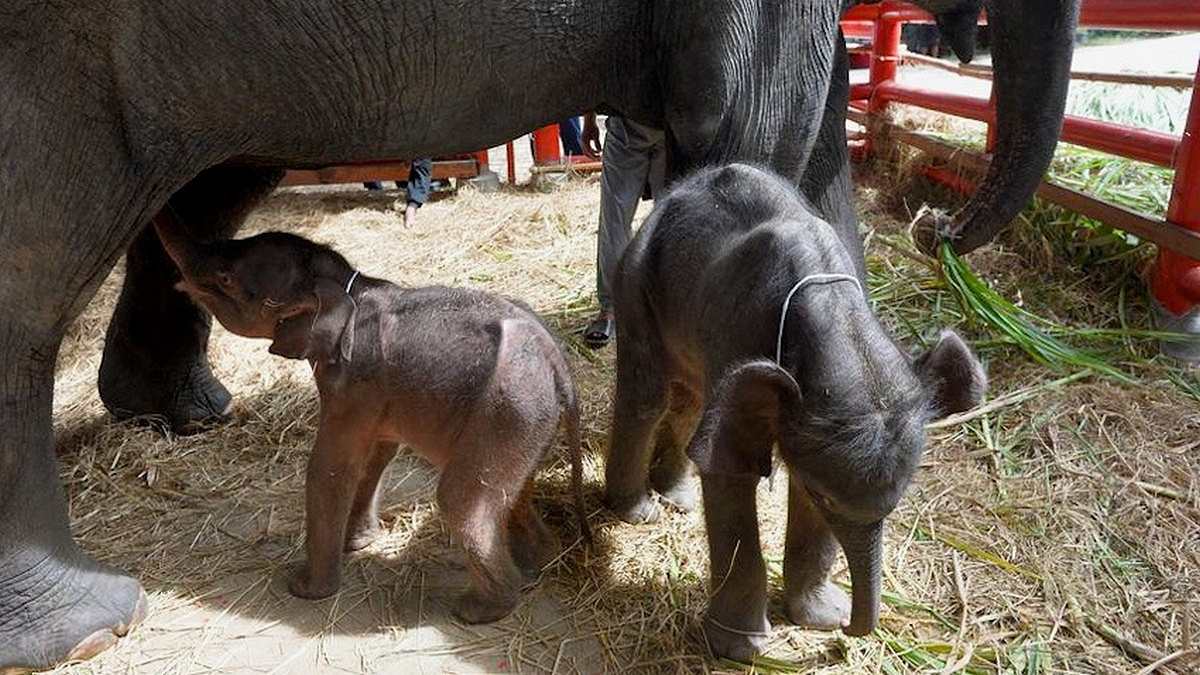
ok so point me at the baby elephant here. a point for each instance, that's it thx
(474, 383)
(745, 326)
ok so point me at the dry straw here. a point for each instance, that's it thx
(1056, 531)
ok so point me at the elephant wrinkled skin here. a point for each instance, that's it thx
(115, 111)
(744, 325)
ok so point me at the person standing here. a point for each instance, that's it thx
(633, 163)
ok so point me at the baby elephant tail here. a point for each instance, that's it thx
(570, 403)
(569, 406)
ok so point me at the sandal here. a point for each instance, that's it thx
(600, 331)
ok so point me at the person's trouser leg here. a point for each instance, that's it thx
(571, 136)
(420, 181)
(633, 154)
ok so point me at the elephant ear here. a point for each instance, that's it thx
(952, 374)
(743, 419)
(325, 332)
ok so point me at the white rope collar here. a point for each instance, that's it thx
(810, 279)
(735, 631)
(351, 282)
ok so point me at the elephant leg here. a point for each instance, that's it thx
(708, 125)
(670, 469)
(473, 499)
(56, 603)
(154, 362)
(66, 211)
(340, 460)
(363, 524)
(827, 181)
(532, 544)
(736, 625)
(810, 550)
(638, 406)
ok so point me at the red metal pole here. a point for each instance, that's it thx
(1140, 144)
(1150, 14)
(860, 92)
(1176, 280)
(945, 177)
(481, 161)
(545, 145)
(510, 154)
(858, 29)
(885, 52)
(885, 59)
(899, 11)
(1174, 15)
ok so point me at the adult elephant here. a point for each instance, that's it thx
(116, 112)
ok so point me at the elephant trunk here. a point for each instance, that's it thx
(1032, 42)
(863, 546)
(959, 27)
(179, 246)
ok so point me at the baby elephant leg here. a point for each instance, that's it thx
(638, 407)
(338, 463)
(532, 544)
(812, 600)
(363, 525)
(475, 505)
(736, 625)
(670, 469)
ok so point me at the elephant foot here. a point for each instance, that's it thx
(636, 510)
(823, 607)
(476, 607)
(302, 585)
(188, 400)
(681, 496)
(738, 644)
(53, 612)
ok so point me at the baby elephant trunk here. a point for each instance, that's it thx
(185, 252)
(863, 546)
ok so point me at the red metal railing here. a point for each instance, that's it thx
(547, 157)
(457, 166)
(1176, 280)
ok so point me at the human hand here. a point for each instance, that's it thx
(589, 136)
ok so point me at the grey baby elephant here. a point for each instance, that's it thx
(744, 326)
(472, 382)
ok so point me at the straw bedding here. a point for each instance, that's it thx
(1058, 532)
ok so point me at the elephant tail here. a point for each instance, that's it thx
(570, 408)
(575, 442)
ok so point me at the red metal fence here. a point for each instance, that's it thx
(1176, 279)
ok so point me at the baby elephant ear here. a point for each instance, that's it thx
(743, 419)
(325, 332)
(952, 375)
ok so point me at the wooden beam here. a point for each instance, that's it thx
(378, 171)
(985, 73)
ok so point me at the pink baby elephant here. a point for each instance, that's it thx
(472, 382)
